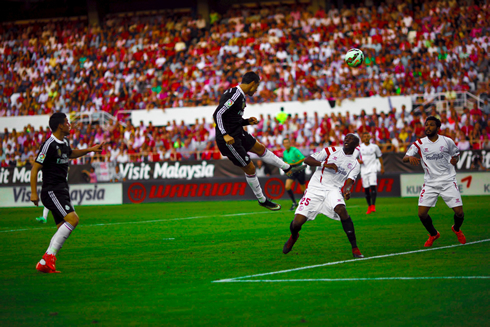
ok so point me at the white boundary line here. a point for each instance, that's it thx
(144, 221)
(227, 280)
(350, 279)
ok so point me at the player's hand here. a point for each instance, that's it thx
(360, 161)
(414, 161)
(347, 194)
(331, 166)
(454, 161)
(97, 148)
(382, 171)
(253, 121)
(229, 139)
(35, 199)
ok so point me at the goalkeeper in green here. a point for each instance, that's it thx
(294, 157)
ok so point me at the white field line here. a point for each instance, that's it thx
(227, 280)
(349, 279)
(143, 221)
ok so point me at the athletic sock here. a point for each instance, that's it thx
(45, 213)
(254, 184)
(274, 160)
(373, 194)
(368, 196)
(348, 226)
(458, 221)
(294, 231)
(59, 238)
(427, 222)
(291, 195)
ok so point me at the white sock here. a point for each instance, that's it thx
(272, 159)
(59, 238)
(45, 213)
(254, 183)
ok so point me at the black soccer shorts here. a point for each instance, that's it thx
(237, 152)
(58, 202)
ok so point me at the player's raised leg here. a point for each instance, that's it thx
(427, 222)
(270, 158)
(348, 226)
(294, 227)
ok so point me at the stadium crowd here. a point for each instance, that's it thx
(172, 60)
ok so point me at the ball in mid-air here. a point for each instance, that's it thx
(354, 57)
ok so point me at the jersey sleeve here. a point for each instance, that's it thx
(354, 172)
(70, 150)
(43, 153)
(378, 152)
(228, 101)
(413, 150)
(320, 156)
(452, 148)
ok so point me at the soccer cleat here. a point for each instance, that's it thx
(373, 208)
(42, 220)
(357, 253)
(295, 169)
(431, 240)
(293, 207)
(460, 235)
(47, 264)
(288, 246)
(369, 210)
(270, 205)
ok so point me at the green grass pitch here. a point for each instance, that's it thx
(156, 265)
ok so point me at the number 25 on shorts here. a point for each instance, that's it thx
(305, 201)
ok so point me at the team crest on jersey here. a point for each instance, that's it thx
(349, 165)
(334, 158)
(229, 103)
(41, 157)
(426, 149)
(442, 148)
(243, 104)
(59, 152)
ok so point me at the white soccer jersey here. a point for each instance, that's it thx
(436, 158)
(369, 156)
(325, 178)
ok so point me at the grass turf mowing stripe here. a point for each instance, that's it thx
(349, 279)
(139, 222)
(227, 280)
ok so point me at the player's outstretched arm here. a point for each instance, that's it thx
(414, 161)
(310, 161)
(77, 153)
(34, 196)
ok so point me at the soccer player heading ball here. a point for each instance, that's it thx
(234, 142)
(439, 156)
(324, 193)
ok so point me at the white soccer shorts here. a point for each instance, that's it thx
(314, 202)
(369, 179)
(449, 192)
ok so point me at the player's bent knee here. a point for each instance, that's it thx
(340, 210)
(249, 169)
(72, 218)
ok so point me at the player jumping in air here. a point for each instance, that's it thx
(324, 193)
(369, 157)
(53, 159)
(234, 142)
(294, 157)
(439, 156)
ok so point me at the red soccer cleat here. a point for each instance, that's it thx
(460, 235)
(431, 240)
(288, 246)
(47, 264)
(369, 210)
(373, 208)
(357, 253)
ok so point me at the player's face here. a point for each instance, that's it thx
(350, 142)
(366, 138)
(65, 127)
(431, 128)
(253, 88)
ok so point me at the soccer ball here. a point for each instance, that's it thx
(354, 57)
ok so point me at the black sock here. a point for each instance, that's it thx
(348, 226)
(294, 231)
(458, 221)
(368, 195)
(373, 194)
(427, 222)
(291, 195)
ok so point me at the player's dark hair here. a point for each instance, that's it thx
(55, 120)
(250, 77)
(438, 122)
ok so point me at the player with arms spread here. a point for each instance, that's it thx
(439, 156)
(234, 142)
(370, 155)
(294, 157)
(324, 193)
(53, 160)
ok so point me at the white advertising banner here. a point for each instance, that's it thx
(81, 194)
(468, 184)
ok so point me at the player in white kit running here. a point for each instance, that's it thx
(439, 156)
(369, 158)
(334, 165)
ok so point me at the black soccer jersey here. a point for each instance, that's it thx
(54, 156)
(228, 116)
